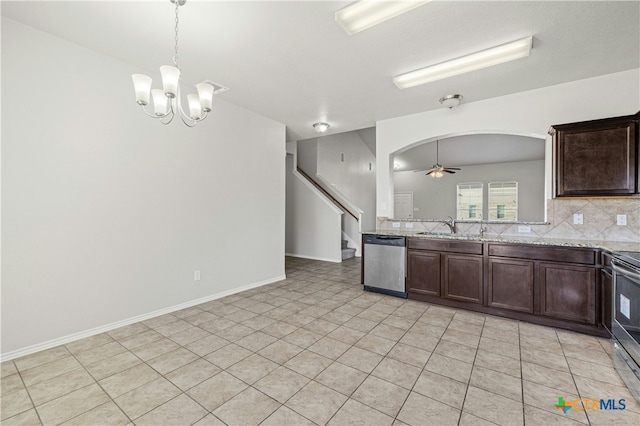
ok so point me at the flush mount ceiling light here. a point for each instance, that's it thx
(166, 101)
(475, 61)
(321, 127)
(365, 14)
(451, 101)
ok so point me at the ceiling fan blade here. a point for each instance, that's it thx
(453, 168)
(448, 171)
(429, 172)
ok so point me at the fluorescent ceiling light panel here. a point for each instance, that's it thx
(365, 14)
(475, 61)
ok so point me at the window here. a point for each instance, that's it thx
(469, 206)
(503, 201)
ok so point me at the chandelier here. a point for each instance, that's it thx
(166, 101)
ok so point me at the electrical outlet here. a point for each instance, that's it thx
(396, 224)
(621, 220)
(408, 225)
(524, 229)
(578, 219)
(196, 275)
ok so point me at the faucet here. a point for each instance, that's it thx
(451, 223)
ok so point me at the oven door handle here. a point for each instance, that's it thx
(619, 268)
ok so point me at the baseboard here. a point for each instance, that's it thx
(102, 329)
(302, 256)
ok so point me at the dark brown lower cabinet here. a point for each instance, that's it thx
(423, 272)
(568, 292)
(557, 286)
(462, 277)
(510, 284)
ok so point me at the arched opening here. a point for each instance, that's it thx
(488, 177)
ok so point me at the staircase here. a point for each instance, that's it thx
(347, 252)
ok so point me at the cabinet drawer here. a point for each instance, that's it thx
(451, 246)
(555, 254)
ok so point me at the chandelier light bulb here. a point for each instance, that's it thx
(194, 106)
(205, 94)
(170, 80)
(160, 102)
(142, 85)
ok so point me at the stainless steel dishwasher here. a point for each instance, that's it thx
(385, 260)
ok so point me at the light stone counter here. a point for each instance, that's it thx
(604, 245)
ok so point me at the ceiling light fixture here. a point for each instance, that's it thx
(166, 101)
(321, 127)
(365, 14)
(451, 101)
(475, 61)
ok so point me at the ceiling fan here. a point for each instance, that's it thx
(438, 170)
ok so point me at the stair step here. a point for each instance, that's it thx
(345, 244)
(348, 253)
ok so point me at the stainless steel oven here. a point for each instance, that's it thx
(625, 325)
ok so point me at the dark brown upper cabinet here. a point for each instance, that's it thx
(596, 158)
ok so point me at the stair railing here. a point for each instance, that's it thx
(327, 194)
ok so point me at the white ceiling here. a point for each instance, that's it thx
(460, 151)
(289, 60)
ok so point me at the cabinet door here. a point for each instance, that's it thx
(423, 272)
(596, 158)
(463, 277)
(568, 292)
(606, 298)
(510, 284)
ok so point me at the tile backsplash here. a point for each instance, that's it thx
(599, 222)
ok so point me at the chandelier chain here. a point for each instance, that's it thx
(175, 56)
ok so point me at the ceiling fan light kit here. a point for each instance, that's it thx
(166, 101)
(475, 61)
(437, 170)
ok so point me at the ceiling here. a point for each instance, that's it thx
(290, 61)
(467, 150)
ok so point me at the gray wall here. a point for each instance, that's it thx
(312, 222)
(308, 156)
(436, 198)
(351, 177)
(106, 213)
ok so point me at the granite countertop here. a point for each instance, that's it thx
(518, 239)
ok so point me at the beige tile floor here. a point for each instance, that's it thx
(316, 349)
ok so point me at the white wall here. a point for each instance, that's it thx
(529, 113)
(528, 174)
(352, 178)
(106, 213)
(307, 155)
(312, 221)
